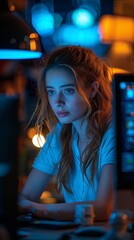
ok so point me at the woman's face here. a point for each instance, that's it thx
(64, 99)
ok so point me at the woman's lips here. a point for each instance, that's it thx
(62, 114)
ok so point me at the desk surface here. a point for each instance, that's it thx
(32, 233)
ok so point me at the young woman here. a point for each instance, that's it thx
(74, 101)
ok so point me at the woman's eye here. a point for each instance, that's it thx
(69, 91)
(50, 92)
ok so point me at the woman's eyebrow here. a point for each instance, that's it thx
(65, 85)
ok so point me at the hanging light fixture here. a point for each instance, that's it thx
(17, 40)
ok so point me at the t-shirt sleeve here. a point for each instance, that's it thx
(107, 148)
(49, 155)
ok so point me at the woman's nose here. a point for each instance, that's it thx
(60, 99)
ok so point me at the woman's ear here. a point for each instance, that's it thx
(94, 89)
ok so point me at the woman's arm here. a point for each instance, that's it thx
(29, 196)
(103, 205)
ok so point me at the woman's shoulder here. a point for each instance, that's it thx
(108, 138)
(110, 132)
(107, 146)
(53, 137)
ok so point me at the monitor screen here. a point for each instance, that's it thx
(9, 132)
(123, 109)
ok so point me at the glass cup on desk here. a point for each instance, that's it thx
(84, 214)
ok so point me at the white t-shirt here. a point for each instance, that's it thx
(50, 154)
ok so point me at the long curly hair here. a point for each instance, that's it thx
(87, 68)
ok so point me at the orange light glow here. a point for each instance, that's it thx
(33, 46)
(116, 28)
(118, 70)
(31, 132)
(122, 48)
(46, 194)
(33, 36)
(114, 71)
(47, 198)
(33, 41)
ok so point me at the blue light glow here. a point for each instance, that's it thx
(130, 93)
(58, 19)
(82, 18)
(42, 19)
(5, 168)
(69, 34)
(19, 54)
(122, 85)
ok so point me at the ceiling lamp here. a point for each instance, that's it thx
(18, 40)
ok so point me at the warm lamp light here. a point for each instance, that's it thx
(121, 48)
(114, 70)
(18, 40)
(38, 140)
(116, 28)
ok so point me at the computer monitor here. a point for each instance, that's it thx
(123, 111)
(9, 132)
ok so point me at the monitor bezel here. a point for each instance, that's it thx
(124, 180)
